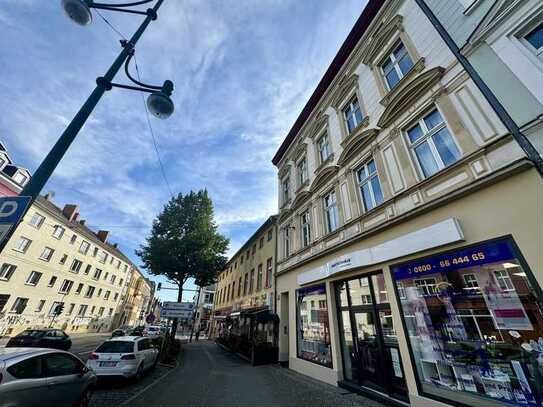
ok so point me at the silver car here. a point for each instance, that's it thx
(43, 377)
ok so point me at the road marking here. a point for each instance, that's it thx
(124, 403)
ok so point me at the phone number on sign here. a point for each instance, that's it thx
(475, 257)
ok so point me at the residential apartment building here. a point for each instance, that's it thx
(408, 264)
(54, 259)
(247, 282)
(203, 301)
(139, 300)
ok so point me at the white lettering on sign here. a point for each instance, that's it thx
(12, 208)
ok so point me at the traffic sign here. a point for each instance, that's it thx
(12, 209)
(150, 318)
(177, 309)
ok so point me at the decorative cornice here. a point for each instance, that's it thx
(324, 176)
(284, 171)
(404, 98)
(300, 199)
(343, 88)
(356, 131)
(356, 144)
(376, 43)
(321, 120)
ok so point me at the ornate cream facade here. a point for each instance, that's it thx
(397, 157)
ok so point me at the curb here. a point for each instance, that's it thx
(150, 385)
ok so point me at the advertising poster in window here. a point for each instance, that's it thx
(475, 325)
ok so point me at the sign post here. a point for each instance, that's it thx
(12, 209)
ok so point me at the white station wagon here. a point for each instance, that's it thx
(126, 356)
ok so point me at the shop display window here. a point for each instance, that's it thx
(313, 329)
(474, 323)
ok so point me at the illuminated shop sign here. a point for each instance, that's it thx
(474, 256)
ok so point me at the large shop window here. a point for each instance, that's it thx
(313, 329)
(475, 325)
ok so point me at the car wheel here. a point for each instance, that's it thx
(85, 399)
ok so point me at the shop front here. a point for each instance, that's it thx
(474, 325)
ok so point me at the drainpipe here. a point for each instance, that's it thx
(528, 148)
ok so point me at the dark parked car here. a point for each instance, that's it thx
(41, 338)
(137, 331)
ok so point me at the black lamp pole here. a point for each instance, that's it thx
(103, 84)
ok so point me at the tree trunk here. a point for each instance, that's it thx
(176, 320)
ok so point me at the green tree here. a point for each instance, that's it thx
(185, 243)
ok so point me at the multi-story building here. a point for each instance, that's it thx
(408, 263)
(203, 305)
(247, 282)
(139, 299)
(54, 259)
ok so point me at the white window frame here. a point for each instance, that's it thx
(349, 110)
(47, 253)
(470, 281)
(33, 278)
(427, 137)
(324, 148)
(55, 233)
(6, 271)
(302, 171)
(79, 289)
(20, 178)
(531, 27)
(40, 220)
(97, 274)
(52, 281)
(331, 211)
(16, 305)
(502, 276)
(395, 65)
(86, 249)
(305, 222)
(368, 177)
(286, 241)
(66, 286)
(90, 291)
(82, 310)
(78, 263)
(70, 309)
(425, 287)
(285, 190)
(22, 244)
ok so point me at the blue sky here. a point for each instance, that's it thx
(242, 69)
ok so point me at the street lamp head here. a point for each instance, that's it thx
(159, 103)
(78, 11)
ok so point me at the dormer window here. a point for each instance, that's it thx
(325, 151)
(20, 178)
(396, 65)
(352, 114)
(302, 171)
(535, 39)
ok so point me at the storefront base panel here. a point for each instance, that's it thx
(420, 401)
(313, 370)
(372, 394)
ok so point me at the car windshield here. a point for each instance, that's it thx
(116, 347)
(34, 333)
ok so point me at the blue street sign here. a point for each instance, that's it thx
(12, 209)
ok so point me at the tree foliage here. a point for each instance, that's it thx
(184, 242)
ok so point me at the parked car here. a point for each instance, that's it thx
(34, 377)
(137, 331)
(121, 331)
(41, 338)
(153, 330)
(126, 356)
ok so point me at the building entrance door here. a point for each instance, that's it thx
(371, 356)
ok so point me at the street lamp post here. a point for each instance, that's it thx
(159, 102)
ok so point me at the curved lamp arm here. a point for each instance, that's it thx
(135, 3)
(127, 71)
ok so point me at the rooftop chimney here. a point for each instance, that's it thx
(49, 196)
(115, 245)
(102, 235)
(82, 221)
(70, 211)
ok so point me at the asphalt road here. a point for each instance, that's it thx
(82, 345)
(211, 377)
